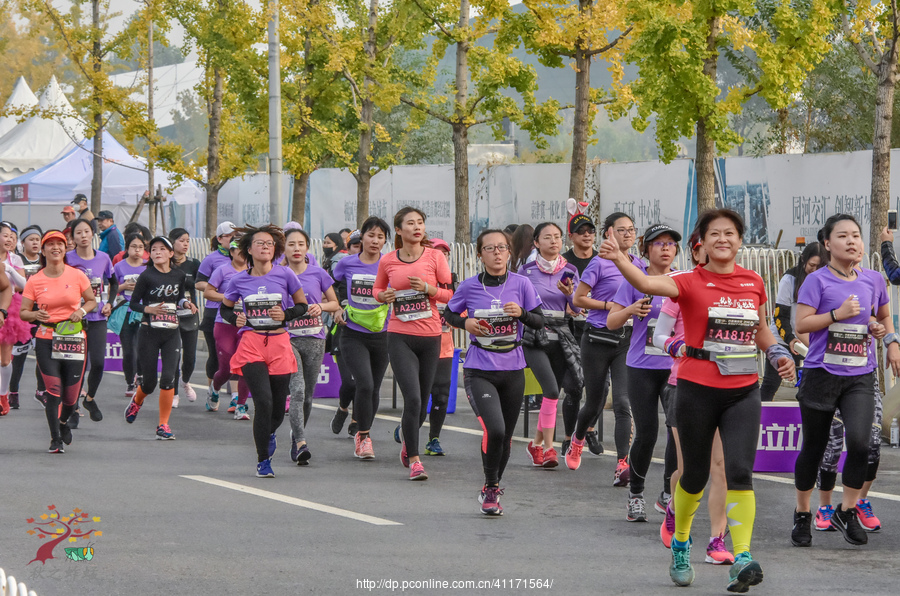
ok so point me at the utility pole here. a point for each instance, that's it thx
(150, 167)
(96, 59)
(275, 198)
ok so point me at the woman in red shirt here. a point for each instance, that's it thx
(414, 278)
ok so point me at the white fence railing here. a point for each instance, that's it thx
(9, 587)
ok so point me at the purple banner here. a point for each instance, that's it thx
(780, 438)
(329, 382)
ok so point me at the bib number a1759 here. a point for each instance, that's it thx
(67, 347)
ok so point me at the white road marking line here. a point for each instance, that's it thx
(375, 521)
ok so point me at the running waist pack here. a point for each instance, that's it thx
(373, 320)
(605, 336)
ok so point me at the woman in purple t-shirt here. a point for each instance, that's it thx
(272, 296)
(127, 271)
(835, 306)
(648, 366)
(500, 305)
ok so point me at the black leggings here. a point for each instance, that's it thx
(269, 397)
(548, 367)
(646, 389)
(365, 355)
(856, 400)
(188, 355)
(699, 411)
(496, 398)
(154, 344)
(206, 326)
(129, 339)
(600, 359)
(414, 361)
(347, 392)
(63, 381)
(440, 398)
(772, 380)
(96, 349)
(18, 370)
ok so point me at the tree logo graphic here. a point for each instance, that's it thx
(55, 528)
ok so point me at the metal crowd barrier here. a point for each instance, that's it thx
(9, 587)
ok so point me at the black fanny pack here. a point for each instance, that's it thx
(604, 336)
(499, 347)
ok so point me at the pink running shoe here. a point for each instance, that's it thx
(667, 529)
(623, 473)
(490, 500)
(403, 457)
(417, 471)
(717, 553)
(866, 517)
(823, 519)
(131, 411)
(573, 455)
(535, 454)
(363, 447)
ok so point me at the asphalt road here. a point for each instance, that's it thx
(190, 517)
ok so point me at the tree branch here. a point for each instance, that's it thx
(611, 44)
(433, 20)
(863, 54)
(430, 112)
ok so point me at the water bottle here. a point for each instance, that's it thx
(895, 434)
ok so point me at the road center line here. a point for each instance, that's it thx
(375, 521)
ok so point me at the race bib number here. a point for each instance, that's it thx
(67, 347)
(257, 306)
(168, 319)
(497, 326)
(445, 328)
(305, 325)
(362, 288)
(558, 317)
(411, 305)
(649, 348)
(19, 349)
(847, 345)
(731, 330)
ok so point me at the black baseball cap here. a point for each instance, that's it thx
(578, 220)
(657, 230)
(105, 215)
(78, 198)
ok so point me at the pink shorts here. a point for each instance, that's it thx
(272, 350)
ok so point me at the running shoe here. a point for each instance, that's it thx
(847, 523)
(4, 404)
(551, 458)
(272, 445)
(823, 519)
(129, 390)
(667, 529)
(745, 572)
(535, 454)
(75, 418)
(294, 448)
(662, 502)
(397, 434)
(417, 471)
(363, 448)
(681, 571)
(264, 469)
(573, 455)
(352, 428)
(623, 473)
(56, 446)
(867, 518)
(433, 447)
(593, 442)
(636, 511)
(131, 411)
(337, 422)
(164, 433)
(39, 398)
(404, 459)
(303, 455)
(241, 412)
(801, 533)
(717, 553)
(14, 400)
(175, 400)
(93, 409)
(212, 399)
(287, 404)
(65, 433)
(188, 391)
(233, 405)
(490, 501)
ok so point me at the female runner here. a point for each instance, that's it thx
(499, 304)
(14, 330)
(188, 322)
(724, 313)
(218, 257)
(413, 279)
(31, 259)
(58, 291)
(272, 296)
(127, 272)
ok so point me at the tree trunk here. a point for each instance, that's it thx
(582, 113)
(213, 164)
(881, 147)
(367, 119)
(298, 202)
(463, 231)
(97, 58)
(706, 147)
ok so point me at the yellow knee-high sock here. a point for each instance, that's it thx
(740, 507)
(686, 506)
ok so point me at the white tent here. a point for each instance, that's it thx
(38, 141)
(21, 97)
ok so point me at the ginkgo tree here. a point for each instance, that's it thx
(676, 46)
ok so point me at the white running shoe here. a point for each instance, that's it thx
(175, 401)
(188, 391)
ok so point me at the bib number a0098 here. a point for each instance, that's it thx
(168, 319)
(305, 325)
(67, 347)
(256, 308)
(847, 345)
(411, 305)
(362, 287)
(497, 326)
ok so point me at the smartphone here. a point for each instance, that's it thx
(648, 298)
(567, 277)
(892, 219)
